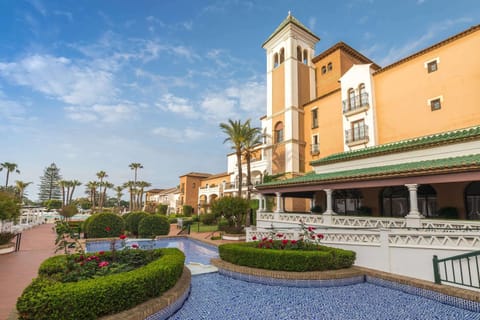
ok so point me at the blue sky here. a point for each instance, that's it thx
(95, 85)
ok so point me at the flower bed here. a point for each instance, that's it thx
(49, 298)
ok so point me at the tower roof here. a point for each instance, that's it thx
(290, 19)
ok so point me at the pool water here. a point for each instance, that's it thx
(240, 300)
(195, 251)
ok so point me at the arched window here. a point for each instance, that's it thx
(351, 98)
(395, 201)
(329, 66)
(279, 132)
(472, 199)
(282, 55)
(324, 69)
(427, 200)
(275, 60)
(305, 56)
(363, 94)
(299, 53)
(347, 201)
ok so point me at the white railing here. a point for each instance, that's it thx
(451, 224)
(314, 219)
(368, 222)
(438, 240)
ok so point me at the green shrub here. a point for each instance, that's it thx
(324, 258)
(172, 220)
(153, 225)
(5, 237)
(162, 209)
(105, 225)
(133, 220)
(222, 224)
(46, 298)
(208, 219)
(233, 209)
(187, 210)
(85, 225)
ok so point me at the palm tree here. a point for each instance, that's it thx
(141, 185)
(92, 191)
(236, 133)
(10, 167)
(131, 186)
(74, 183)
(63, 184)
(135, 166)
(252, 139)
(118, 192)
(106, 185)
(21, 186)
(101, 175)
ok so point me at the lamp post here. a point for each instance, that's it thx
(198, 218)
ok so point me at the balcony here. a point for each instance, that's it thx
(358, 104)
(314, 149)
(357, 135)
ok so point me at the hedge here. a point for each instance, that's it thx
(153, 225)
(325, 258)
(105, 225)
(46, 298)
(133, 220)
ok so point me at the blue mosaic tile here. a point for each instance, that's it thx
(171, 309)
(215, 296)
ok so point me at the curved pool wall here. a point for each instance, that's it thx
(195, 251)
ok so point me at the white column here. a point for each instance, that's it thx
(279, 202)
(414, 216)
(329, 210)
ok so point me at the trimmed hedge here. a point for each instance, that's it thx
(133, 220)
(46, 298)
(105, 225)
(325, 258)
(153, 225)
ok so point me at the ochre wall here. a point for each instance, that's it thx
(278, 89)
(401, 93)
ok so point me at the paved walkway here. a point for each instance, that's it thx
(19, 268)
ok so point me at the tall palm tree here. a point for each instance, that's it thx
(63, 184)
(131, 187)
(252, 139)
(118, 192)
(74, 184)
(135, 166)
(21, 186)
(101, 175)
(9, 167)
(106, 185)
(236, 133)
(92, 191)
(141, 186)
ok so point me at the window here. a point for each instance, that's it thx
(193, 185)
(315, 145)
(363, 94)
(432, 66)
(358, 130)
(305, 57)
(324, 70)
(395, 201)
(472, 199)
(275, 60)
(299, 53)
(351, 98)
(314, 118)
(435, 104)
(329, 66)
(282, 55)
(279, 132)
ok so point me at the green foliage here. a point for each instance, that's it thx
(47, 298)
(323, 258)
(172, 220)
(52, 204)
(5, 237)
(187, 210)
(68, 211)
(133, 220)
(233, 209)
(67, 238)
(153, 225)
(85, 225)
(274, 177)
(105, 225)
(49, 187)
(208, 219)
(162, 209)
(9, 206)
(448, 213)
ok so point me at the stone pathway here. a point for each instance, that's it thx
(17, 269)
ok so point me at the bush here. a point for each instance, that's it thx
(5, 237)
(46, 298)
(222, 224)
(172, 220)
(105, 225)
(153, 225)
(187, 210)
(324, 258)
(133, 220)
(162, 209)
(85, 225)
(69, 211)
(208, 219)
(232, 208)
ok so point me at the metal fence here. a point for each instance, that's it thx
(461, 270)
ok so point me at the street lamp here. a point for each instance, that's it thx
(198, 218)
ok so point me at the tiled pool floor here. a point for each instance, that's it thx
(214, 296)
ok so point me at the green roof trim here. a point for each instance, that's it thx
(290, 19)
(419, 167)
(449, 137)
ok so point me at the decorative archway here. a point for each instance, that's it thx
(427, 200)
(395, 201)
(472, 200)
(347, 201)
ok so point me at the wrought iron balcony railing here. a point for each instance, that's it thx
(314, 149)
(359, 101)
(358, 134)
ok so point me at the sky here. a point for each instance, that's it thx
(96, 85)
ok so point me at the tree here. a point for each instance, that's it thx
(130, 185)
(101, 175)
(21, 186)
(236, 133)
(9, 207)
(49, 188)
(141, 186)
(135, 166)
(68, 211)
(118, 192)
(252, 139)
(92, 192)
(73, 184)
(63, 184)
(9, 167)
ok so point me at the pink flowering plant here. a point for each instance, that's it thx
(309, 240)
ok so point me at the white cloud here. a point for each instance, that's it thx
(61, 79)
(101, 112)
(171, 103)
(178, 135)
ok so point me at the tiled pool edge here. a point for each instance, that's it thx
(457, 297)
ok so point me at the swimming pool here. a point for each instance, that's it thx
(195, 251)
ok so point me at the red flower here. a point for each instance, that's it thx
(254, 238)
(122, 236)
(294, 241)
(284, 241)
(311, 229)
(101, 252)
(279, 235)
(107, 229)
(264, 239)
(103, 264)
(320, 236)
(135, 246)
(313, 237)
(82, 263)
(271, 240)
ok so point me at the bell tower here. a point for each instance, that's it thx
(290, 84)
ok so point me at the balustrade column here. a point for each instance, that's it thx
(329, 210)
(414, 216)
(279, 202)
